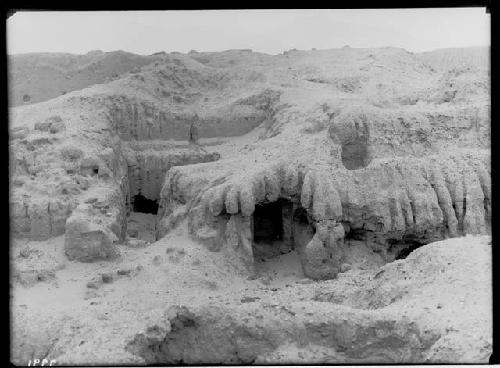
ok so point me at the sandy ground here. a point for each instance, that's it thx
(76, 318)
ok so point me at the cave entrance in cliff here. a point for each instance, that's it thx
(403, 248)
(268, 222)
(279, 228)
(144, 205)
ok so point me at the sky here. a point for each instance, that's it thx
(269, 31)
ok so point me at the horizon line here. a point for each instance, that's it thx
(244, 49)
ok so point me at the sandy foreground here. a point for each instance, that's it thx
(434, 305)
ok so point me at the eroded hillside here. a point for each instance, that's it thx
(37, 77)
(320, 163)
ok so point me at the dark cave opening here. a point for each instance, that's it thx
(144, 205)
(267, 231)
(279, 228)
(405, 252)
(403, 248)
(354, 234)
(268, 223)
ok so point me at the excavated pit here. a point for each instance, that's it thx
(219, 337)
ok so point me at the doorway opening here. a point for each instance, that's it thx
(281, 230)
(144, 205)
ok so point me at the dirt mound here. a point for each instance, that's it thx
(469, 57)
(38, 77)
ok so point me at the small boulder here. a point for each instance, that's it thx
(107, 278)
(26, 252)
(54, 119)
(70, 188)
(124, 272)
(344, 267)
(88, 242)
(19, 133)
(249, 299)
(69, 153)
(57, 127)
(42, 126)
(92, 285)
(18, 182)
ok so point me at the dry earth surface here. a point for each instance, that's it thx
(336, 207)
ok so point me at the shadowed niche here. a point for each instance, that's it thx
(279, 228)
(355, 155)
(144, 205)
(268, 223)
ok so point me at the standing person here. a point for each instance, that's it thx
(193, 130)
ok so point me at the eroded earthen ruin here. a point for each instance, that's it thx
(317, 155)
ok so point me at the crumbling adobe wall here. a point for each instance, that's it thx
(71, 180)
(99, 223)
(136, 119)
